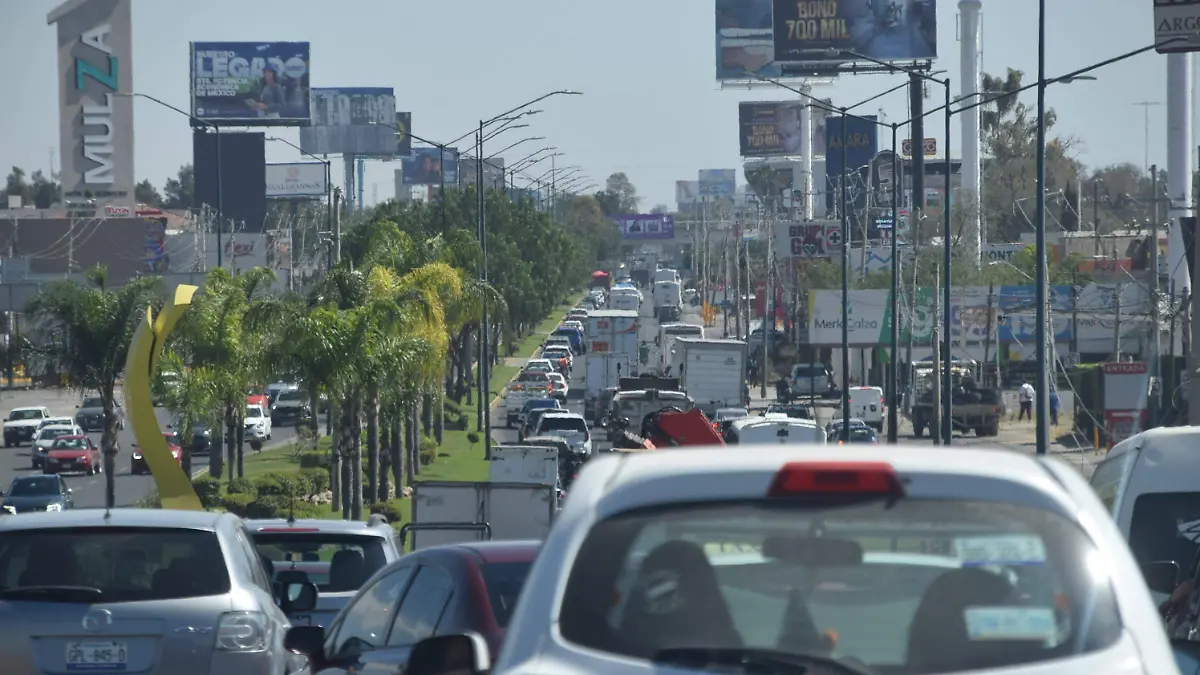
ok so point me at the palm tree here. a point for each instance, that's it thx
(91, 326)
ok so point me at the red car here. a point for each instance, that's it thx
(450, 589)
(137, 463)
(73, 454)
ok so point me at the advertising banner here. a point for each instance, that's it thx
(403, 140)
(866, 311)
(721, 183)
(815, 31)
(351, 120)
(772, 128)
(687, 192)
(424, 167)
(95, 61)
(1177, 19)
(251, 83)
(243, 191)
(862, 143)
(645, 226)
(744, 39)
(812, 239)
(299, 180)
(928, 147)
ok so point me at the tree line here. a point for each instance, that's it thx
(387, 335)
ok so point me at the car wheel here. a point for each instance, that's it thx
(91, 471)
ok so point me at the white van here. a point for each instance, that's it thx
(774, 428)
(1150, 483)
(867, 404)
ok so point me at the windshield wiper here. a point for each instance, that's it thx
(756, 660)
(53, 593)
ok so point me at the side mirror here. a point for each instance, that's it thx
(305, 640)
(449, 655)
(299, 596)
(1161, 575)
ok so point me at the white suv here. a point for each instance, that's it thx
(258, 426)
(571, 427)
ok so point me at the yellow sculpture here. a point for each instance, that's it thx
(174, 486)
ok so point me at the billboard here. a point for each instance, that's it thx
(1176, 19)
(687, 192)
(351, 120)
(403, 140)
(645, 226)
(720, 183)
(251, 83)
(299, 180)
(95, 61)
(810, 239)
(243, 202)
(772, 128)
(424, 167)
(861, 137)
(816, 31)
(493, 172)
(744, 39)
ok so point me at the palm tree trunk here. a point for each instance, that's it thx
(372, 404)
(216, 446)
(356, 467)
(467, 359)
(108, 453)
(385, 442)
(241, 445)
(347, 447)
(335, 464)
(230, 440)
(414, 439)
(396, 456)
(440, 429)
(427, 414)
(314, 404)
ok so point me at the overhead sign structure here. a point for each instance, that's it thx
(744, 40)
(95, 64)
(351, 120)
(251, 83)
(1177, 20)
(645, 226)
(299, 180)
(718, 182)
(812, 239)
(818, 31)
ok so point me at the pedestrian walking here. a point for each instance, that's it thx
(1054, 405)
(1025, 396)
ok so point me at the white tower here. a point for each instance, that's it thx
(969, 79)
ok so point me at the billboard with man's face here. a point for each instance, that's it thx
(772, 128)
(251, 83)
(425, 168)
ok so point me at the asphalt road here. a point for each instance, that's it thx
(89, 490)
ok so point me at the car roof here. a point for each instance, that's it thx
(513, 550)
(544, 439)
(560, 412)
(28, 407)
(70, 436)
(302, 525)
(64, 425)
(119, 517)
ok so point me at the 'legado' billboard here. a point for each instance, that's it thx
(95, 63)
(251, 83)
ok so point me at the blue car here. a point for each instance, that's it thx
(574, 335)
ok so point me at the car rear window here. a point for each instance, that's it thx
(906, 586)
(334, 562)
(48, 434)
(504, 582)
(533, 376)
(292, 395)
(92, 402)
(18, 415)
(1165, 526)
(561, 423)
(110, 564)
(801, 371)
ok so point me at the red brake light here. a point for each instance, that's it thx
(289, 529)
(847, 478)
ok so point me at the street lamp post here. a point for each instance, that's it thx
(1041, 407)
(844, 432)
(894, 337)
(217, 131)
(441, 148)
(947, 423)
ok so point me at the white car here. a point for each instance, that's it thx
(539, 366)
(22, 424)
(559, 385)
(826, 559)
(258, 426)
(570, 426)
(45, 439)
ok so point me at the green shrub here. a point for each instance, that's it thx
(388, 510)
(317, 479)
(239, 486)
(238, 504)
(453, 407)
(208, 489)
(472, 437)
(427, 445)
(313, 460)
(281, 485)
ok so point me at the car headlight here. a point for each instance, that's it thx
(54, 507)
(10, 509)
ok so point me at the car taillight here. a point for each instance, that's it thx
(842, 478)
(587, 436)
(242, 632)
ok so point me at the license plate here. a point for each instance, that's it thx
(102, 656)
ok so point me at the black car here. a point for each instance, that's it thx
(201, 437)
(90, 415)
(37, 493)
(531, 421)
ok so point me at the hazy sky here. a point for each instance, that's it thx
(651, 106)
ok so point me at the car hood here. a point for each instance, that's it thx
(73, 453)
(32, 501)
(23, 423)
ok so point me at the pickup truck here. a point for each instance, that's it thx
(22, 423)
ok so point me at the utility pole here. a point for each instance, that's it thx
(1146, 105)
(337, 227)
(1096, 215)
(935, 430)
(1155, 318)
(1117, 325)
(768, 320)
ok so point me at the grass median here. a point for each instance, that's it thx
(460, 456)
